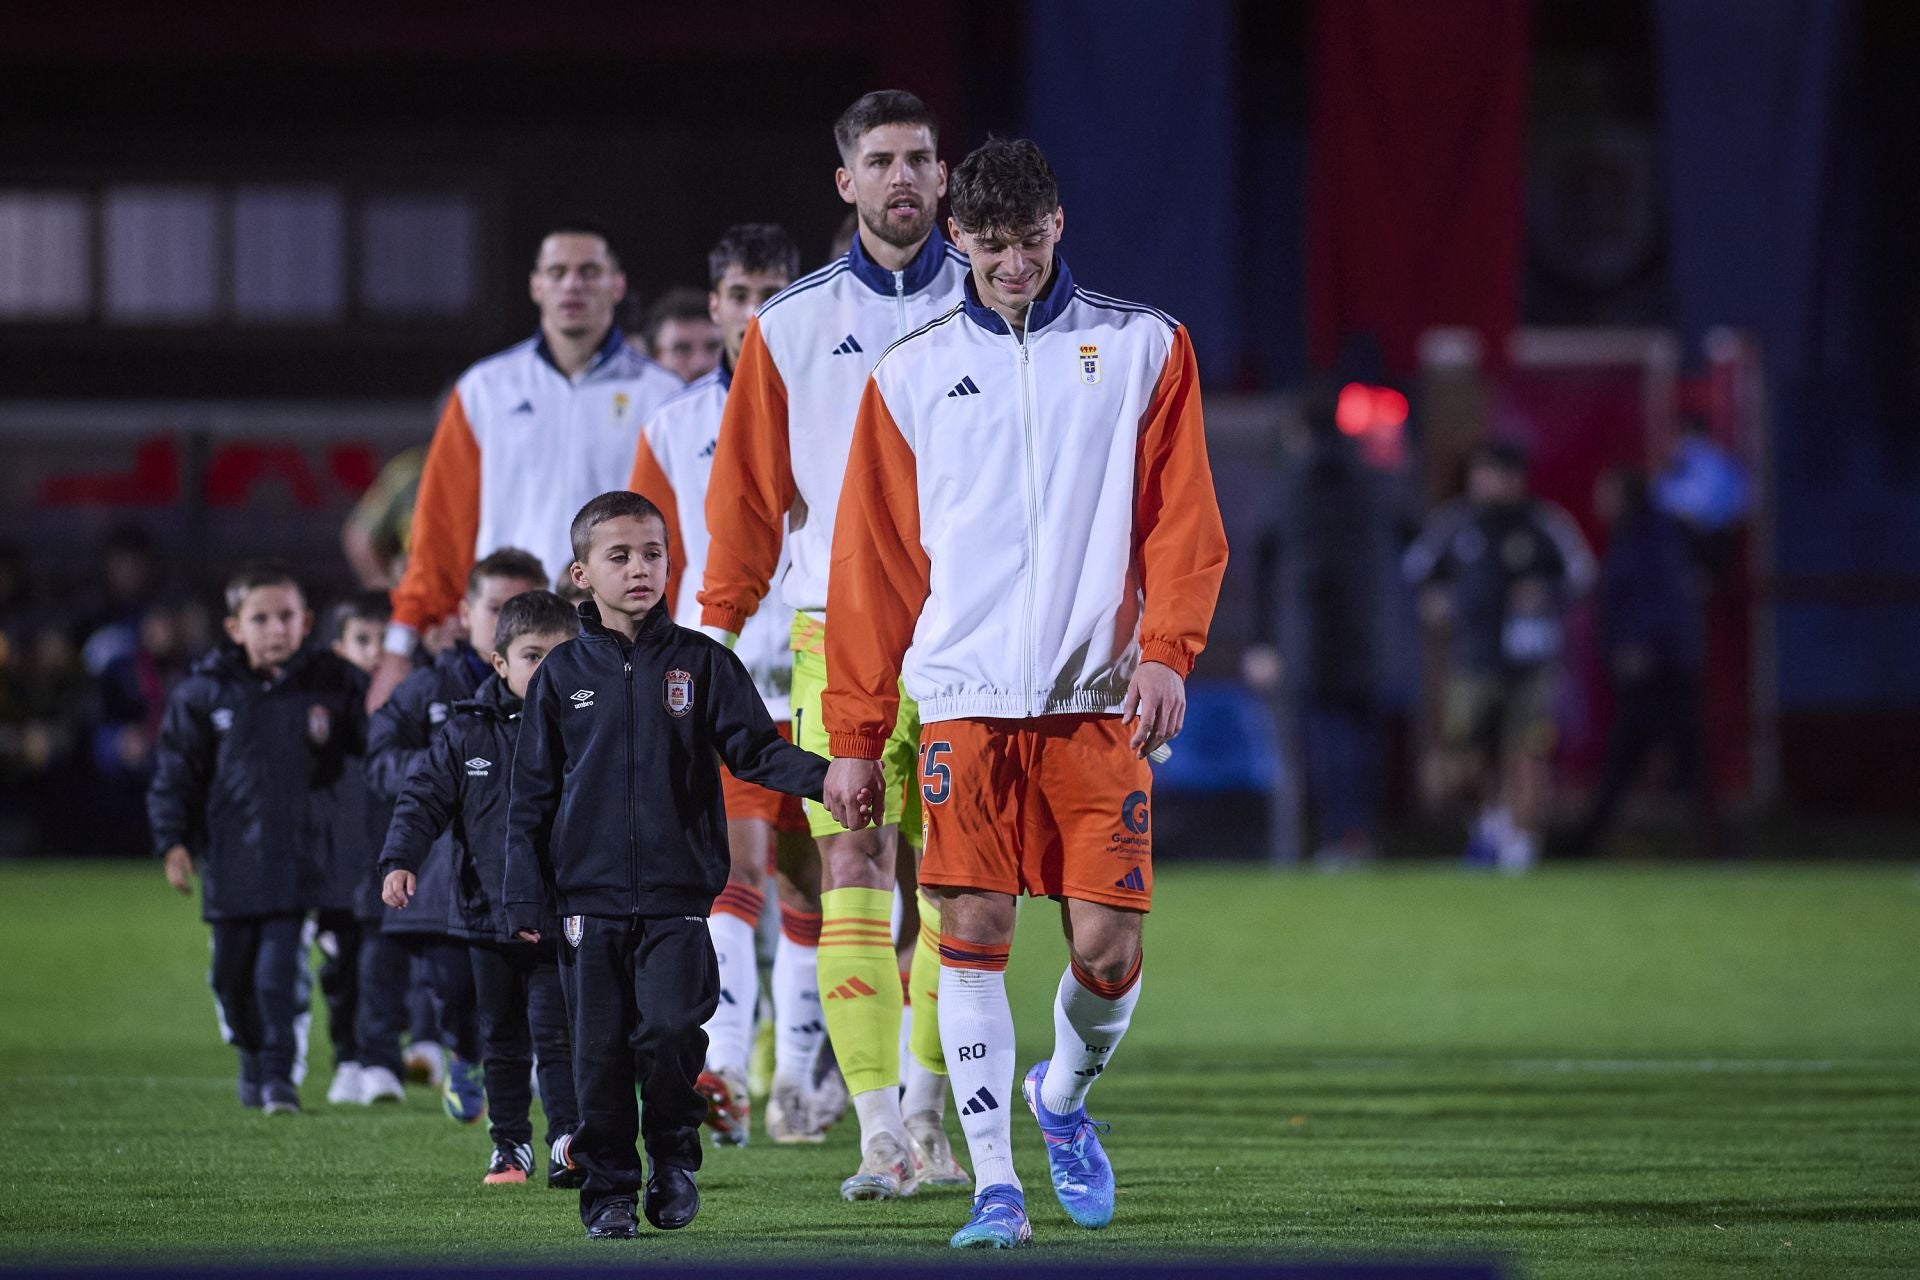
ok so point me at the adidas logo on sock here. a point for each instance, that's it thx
(1132, 880)
(851, 988)
(848, 346)
(980, 1103)
(964, 387)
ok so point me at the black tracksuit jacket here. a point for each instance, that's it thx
(248, 776)
(460, 790)
(397, 740)
(616, 806)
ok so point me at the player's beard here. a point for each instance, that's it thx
(875, 221)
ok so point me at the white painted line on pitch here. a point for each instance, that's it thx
(1597, 1066)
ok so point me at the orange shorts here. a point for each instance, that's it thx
(745, 800)
(1057, 806)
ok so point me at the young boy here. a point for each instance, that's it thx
(616, 805)
(397, 741)
(349, 911)
(461, 790)
(252, 751)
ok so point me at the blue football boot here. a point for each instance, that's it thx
(1082, 1177)
(999, 1221)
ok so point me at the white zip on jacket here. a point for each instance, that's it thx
(1026, 517)
(789, 421)
(670, 467)
(520, 448)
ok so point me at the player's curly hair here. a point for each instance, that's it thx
(533, 613)
(1004, 184)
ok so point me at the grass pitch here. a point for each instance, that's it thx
(1592, 1072)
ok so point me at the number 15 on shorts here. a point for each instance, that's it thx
(936, 771)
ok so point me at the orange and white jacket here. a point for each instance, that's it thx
(520, 448)
(789, 420)
(671, 466)
(1025, 519)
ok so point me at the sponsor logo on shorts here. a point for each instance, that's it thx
(1134, 813)
(1132, 880)
(1133, 842)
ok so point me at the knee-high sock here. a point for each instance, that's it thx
(976, 1026)
(860, 987)
(1089, 1017)
(924, 983)
(730, 1030)
(798, 1028)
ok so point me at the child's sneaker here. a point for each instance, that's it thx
(247, 1084)
(345, 1089)
(425, 1063)
(562, 1172)
(280, 1098)
(464, 1094)
(377, 1084)
(511, 1163)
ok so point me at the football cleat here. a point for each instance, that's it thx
(829, 1099)
(729, 1110)
(1082, 1177)
(885, 1173)
(933, 1161)
(511, 1163)
(464, 1093)
(998, 1221)
(790, 1114)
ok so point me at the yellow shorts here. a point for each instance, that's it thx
(899, 759)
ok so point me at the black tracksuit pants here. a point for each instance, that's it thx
(256, 968)
(386, 966)
(640, 990)
(340, 981)
(522, 1013)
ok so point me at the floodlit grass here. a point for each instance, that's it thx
(1592, 1072)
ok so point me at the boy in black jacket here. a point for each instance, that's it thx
(461, 790)
(616, 812)
(397, 740)
(252, 752)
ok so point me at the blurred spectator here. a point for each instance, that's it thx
(843, 237)
(679, 332)
(357, 628)
(1498, 568)
(1319, 584)
(1650, 628)
(129, 581)
(379, 529)
(1705, 487)
(130, 697)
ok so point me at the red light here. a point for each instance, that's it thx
(1362, 409)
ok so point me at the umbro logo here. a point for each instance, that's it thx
(980, 1103)
(848, 346)
(582, 699)
(964, 387)
(477, 767)
(851, 989)
(525, 406)
(1132, 880)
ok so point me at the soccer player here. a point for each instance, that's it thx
(1499, 568)
(253, 746)
(777, 470)
(751, 263)
(526, 436)
(616, 810)
(460, 789)
(397, 741)
(1029, 522)
(681, 334)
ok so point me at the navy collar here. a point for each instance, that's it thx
(1051, 302)
(723, 372)
(921, 272)
(658, 619)
(609, 347)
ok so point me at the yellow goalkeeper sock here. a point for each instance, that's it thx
(923, 1037)
(860, 986)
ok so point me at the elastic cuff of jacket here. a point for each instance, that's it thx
(1167, 653)
(388, 868)
(723, 616)
(401, 639)
(855, 746)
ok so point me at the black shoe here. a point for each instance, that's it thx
(247, 1084)
(613, 1220)
(280, 1098)
(672, 1198)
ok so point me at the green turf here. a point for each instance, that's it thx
(1599, 1072)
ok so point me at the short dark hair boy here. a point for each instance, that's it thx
(254, 744)
(616, 805)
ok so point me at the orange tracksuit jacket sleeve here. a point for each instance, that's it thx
(1180, 543)
(446, 521)
(649, 480)
(750, 491)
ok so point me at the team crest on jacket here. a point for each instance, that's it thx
(572, 927)
(319, 725)
(621, 401)
(1089, 363)
(679, 692)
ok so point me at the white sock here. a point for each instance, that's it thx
(730, 1029)
(976, 1030)
(1089, 1017)
(879, 1112)
(925, 1090)
(798, 1026)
